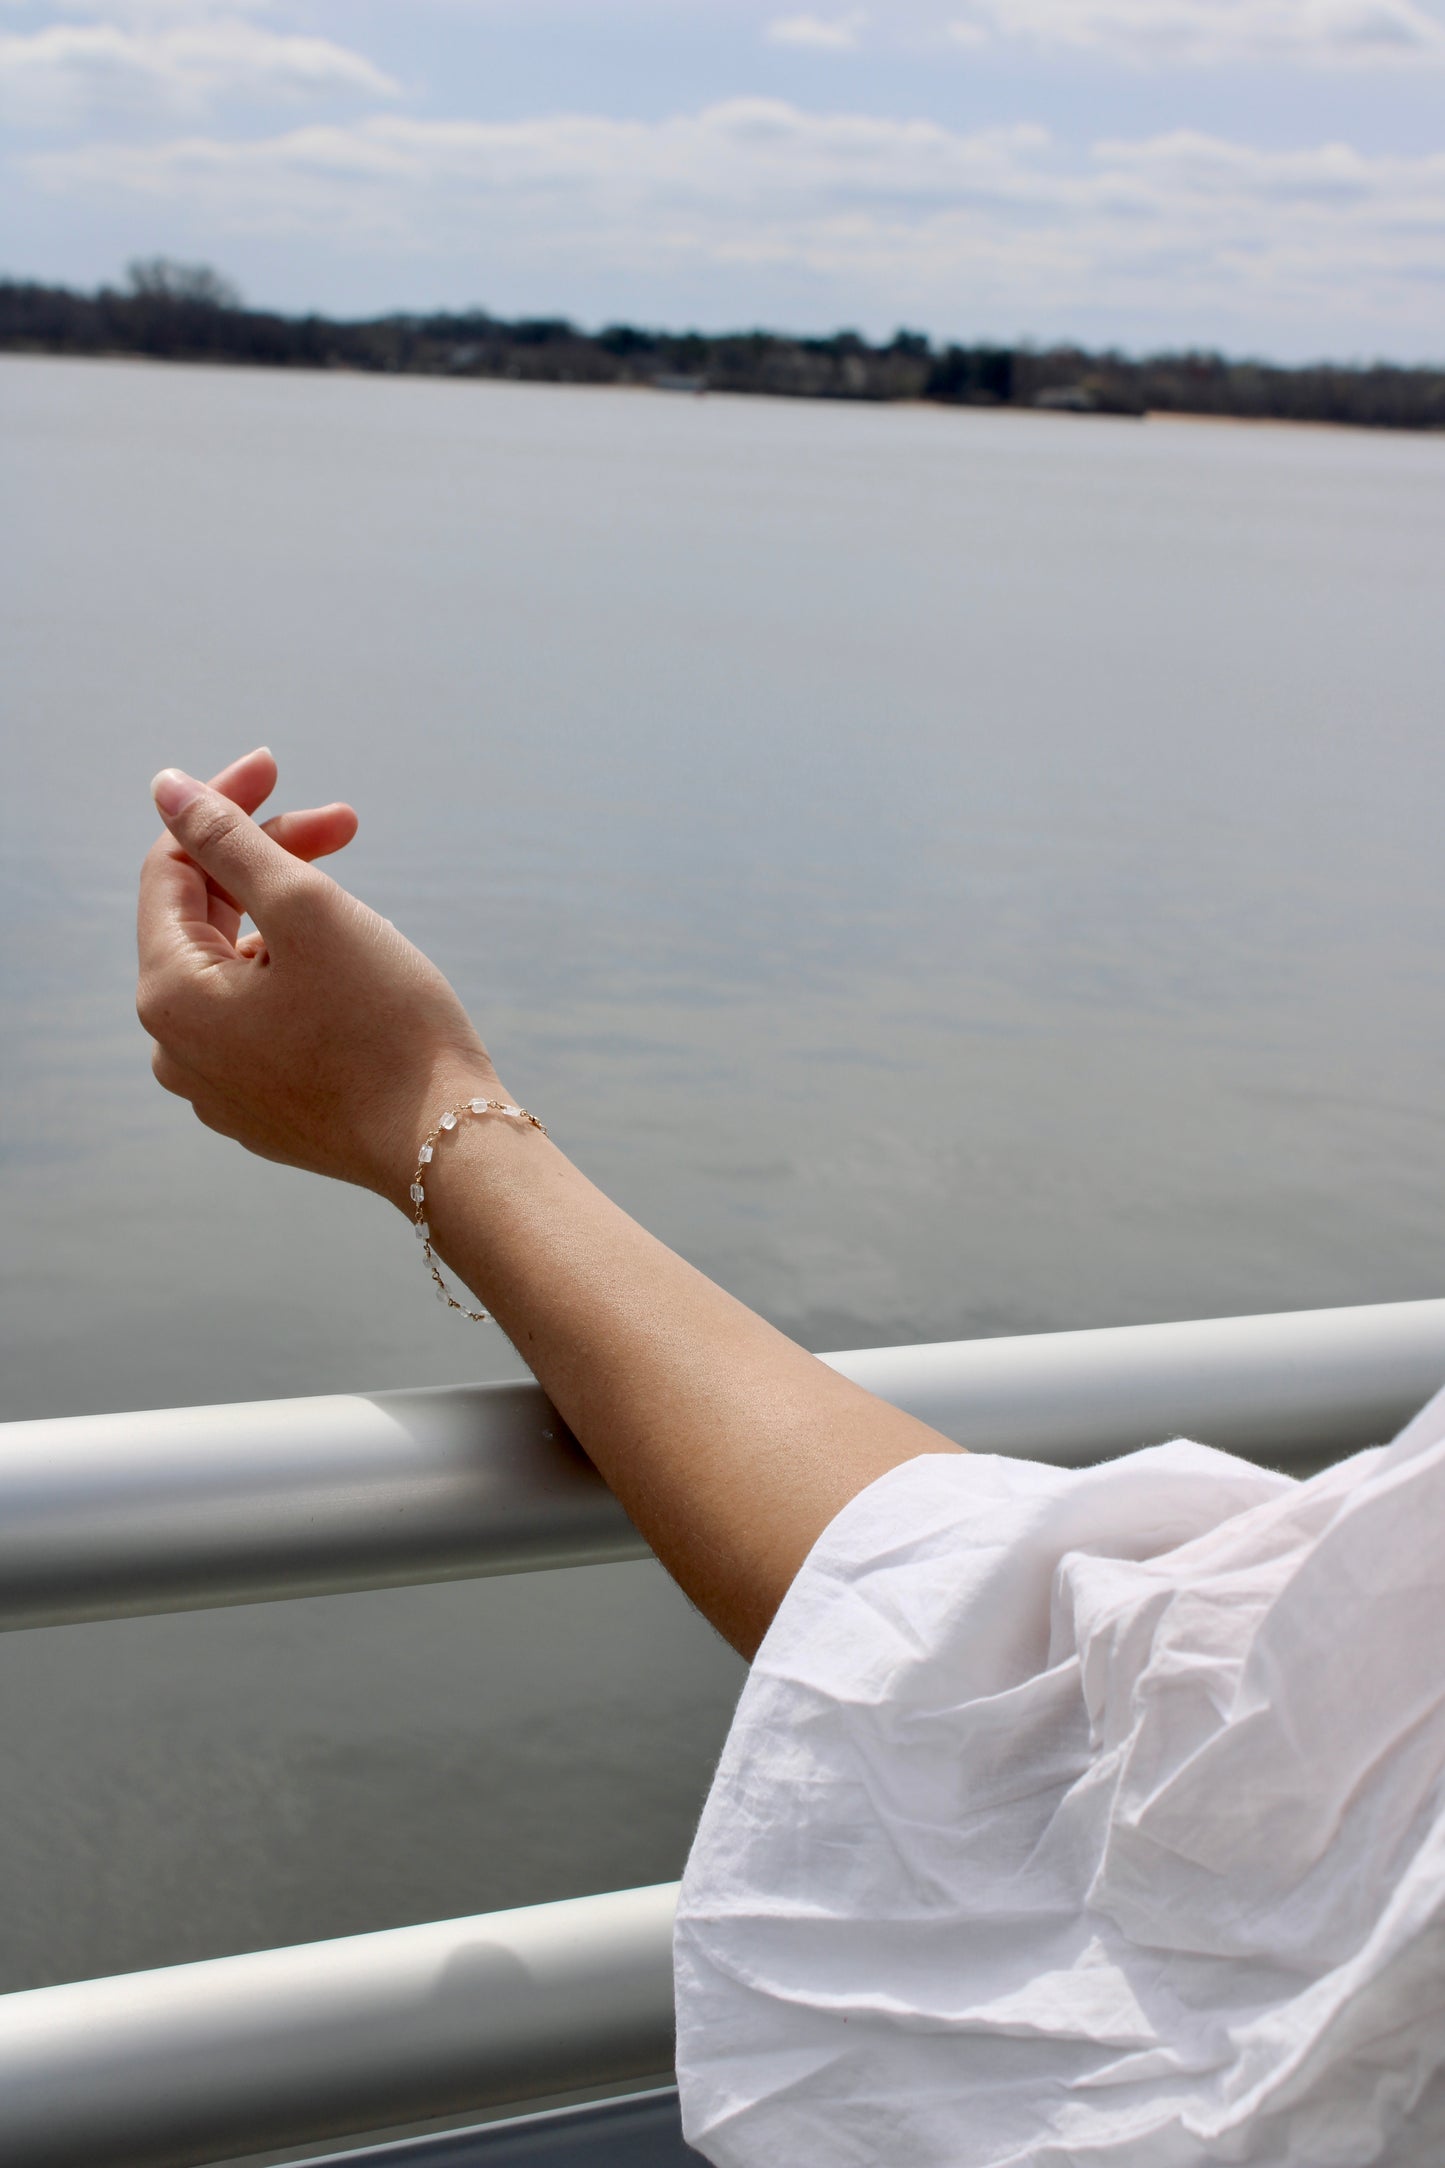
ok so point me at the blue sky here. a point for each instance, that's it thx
(1263, 175)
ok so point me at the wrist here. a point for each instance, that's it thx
(450, 1084)
(475, 1152)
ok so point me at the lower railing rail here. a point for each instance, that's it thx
(282, 2047)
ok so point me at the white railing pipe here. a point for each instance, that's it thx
(209, 2061)
(113, 1515)
(181, 1509)
(1294, 1389)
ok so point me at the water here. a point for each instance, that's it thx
(946, 873)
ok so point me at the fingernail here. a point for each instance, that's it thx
(173, 790)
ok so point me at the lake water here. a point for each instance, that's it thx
(947, 873)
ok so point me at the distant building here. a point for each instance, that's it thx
(1068, 399)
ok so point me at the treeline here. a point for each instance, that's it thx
(176, 312)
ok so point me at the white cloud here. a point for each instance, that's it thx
(60, 74)
(823, 33)
(139, 11)
(899, 219)
(1209, 33)
(736, 165)
(150, 13)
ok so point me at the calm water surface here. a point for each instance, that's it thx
(947, 873)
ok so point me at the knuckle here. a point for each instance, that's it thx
(165, 1006)
(169, 1075)
(213, 1116)
(300, 902)
(210, 824)
(149, 1006)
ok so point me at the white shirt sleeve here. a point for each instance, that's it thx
(1086, 1816)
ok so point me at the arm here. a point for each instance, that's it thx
(331, 1043)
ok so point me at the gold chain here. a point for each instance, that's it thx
(445, 1124)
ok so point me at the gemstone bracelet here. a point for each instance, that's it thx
(424, 1158)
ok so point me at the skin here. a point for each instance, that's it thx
(325, 1040)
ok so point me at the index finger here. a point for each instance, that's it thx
(173, 911)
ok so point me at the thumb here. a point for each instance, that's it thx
(225, 843)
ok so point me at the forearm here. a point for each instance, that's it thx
(326, 1041)
(730, 1447)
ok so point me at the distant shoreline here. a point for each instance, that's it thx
(1266, 421)
(175, 313)
(219, 363)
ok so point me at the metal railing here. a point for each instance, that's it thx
(110, 1516)
(200, 2062)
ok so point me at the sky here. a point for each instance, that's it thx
(1263, 176)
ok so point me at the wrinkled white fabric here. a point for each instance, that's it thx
(1086, 1818)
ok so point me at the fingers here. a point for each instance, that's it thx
(315, 833)
(306, 835)
(191, 909)
(249, 781)
(227, 846)
(172, 898)
(174, 912)
(310, 834)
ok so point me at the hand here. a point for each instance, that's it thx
(324, 1040)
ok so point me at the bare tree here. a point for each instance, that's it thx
(161, 278)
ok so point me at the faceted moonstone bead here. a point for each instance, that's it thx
(417, 1193)
(442, 1295)
(479, 1106)
(425, 1155)
(423, 1232)
(511, 1110)
(448, 1121)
